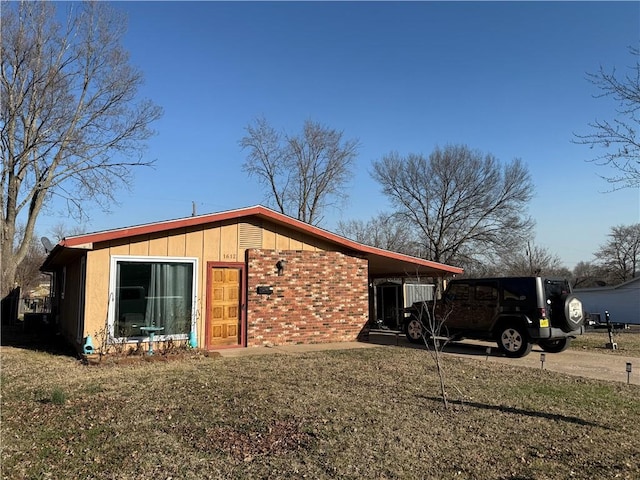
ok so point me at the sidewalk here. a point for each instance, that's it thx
(294, 349)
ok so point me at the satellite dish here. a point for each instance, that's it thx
(48, 246)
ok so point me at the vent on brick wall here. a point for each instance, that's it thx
(250, 236)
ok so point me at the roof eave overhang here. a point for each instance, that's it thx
(381, 262)
(403, 266)
(60, 255)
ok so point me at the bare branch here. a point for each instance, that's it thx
(70, 123)
(387, 231)
(617, 139)
(532, 260)
(304, 173)
(459, 200)
(620, 256)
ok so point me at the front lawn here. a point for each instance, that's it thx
(366, 413)
(596, 340)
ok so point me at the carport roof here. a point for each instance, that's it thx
(382, 263)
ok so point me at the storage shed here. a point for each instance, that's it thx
(238, 278)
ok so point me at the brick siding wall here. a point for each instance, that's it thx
(321, 297)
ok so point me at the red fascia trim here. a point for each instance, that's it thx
(157, 227)
(292, 222)
(258, 211)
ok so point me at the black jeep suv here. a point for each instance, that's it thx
(516, 312)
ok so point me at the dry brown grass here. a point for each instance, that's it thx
(370, 413)
(627, 341)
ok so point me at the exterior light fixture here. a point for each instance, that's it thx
(280, 266)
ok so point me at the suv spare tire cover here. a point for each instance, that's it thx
(573, 316)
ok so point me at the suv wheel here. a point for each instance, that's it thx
(513, 341)
(555, 346)
(414, 330)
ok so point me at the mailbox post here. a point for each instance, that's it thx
(611, 345)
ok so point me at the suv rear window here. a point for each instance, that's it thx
(458, 291)
(516, 289)
(486, 291)
(555, 288)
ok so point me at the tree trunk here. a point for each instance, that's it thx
(440, 370)
(9, 267)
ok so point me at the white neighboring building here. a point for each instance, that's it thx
(622, 301)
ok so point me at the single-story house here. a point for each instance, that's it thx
(238, 278)
(621, 301)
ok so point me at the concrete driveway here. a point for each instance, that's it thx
(601, 366)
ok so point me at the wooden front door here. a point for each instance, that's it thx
(223, 306)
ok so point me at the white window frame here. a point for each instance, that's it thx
(146, 259)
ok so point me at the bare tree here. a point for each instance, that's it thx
(304, 173)
(620, 256)
(428, 320)
(618, 139)
(60, 230)
(70, 126)
(588, 274)
(435, 337)
(387, 231)
(533, 260)
(483, 268)
(464, 205)
(28, 273)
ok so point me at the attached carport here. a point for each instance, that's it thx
(396, 281)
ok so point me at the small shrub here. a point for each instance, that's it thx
(94, 388)
(58, 397)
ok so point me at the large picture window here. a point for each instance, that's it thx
(152, 292)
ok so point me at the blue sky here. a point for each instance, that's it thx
(507, 78)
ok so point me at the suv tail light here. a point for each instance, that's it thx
(544, 321)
